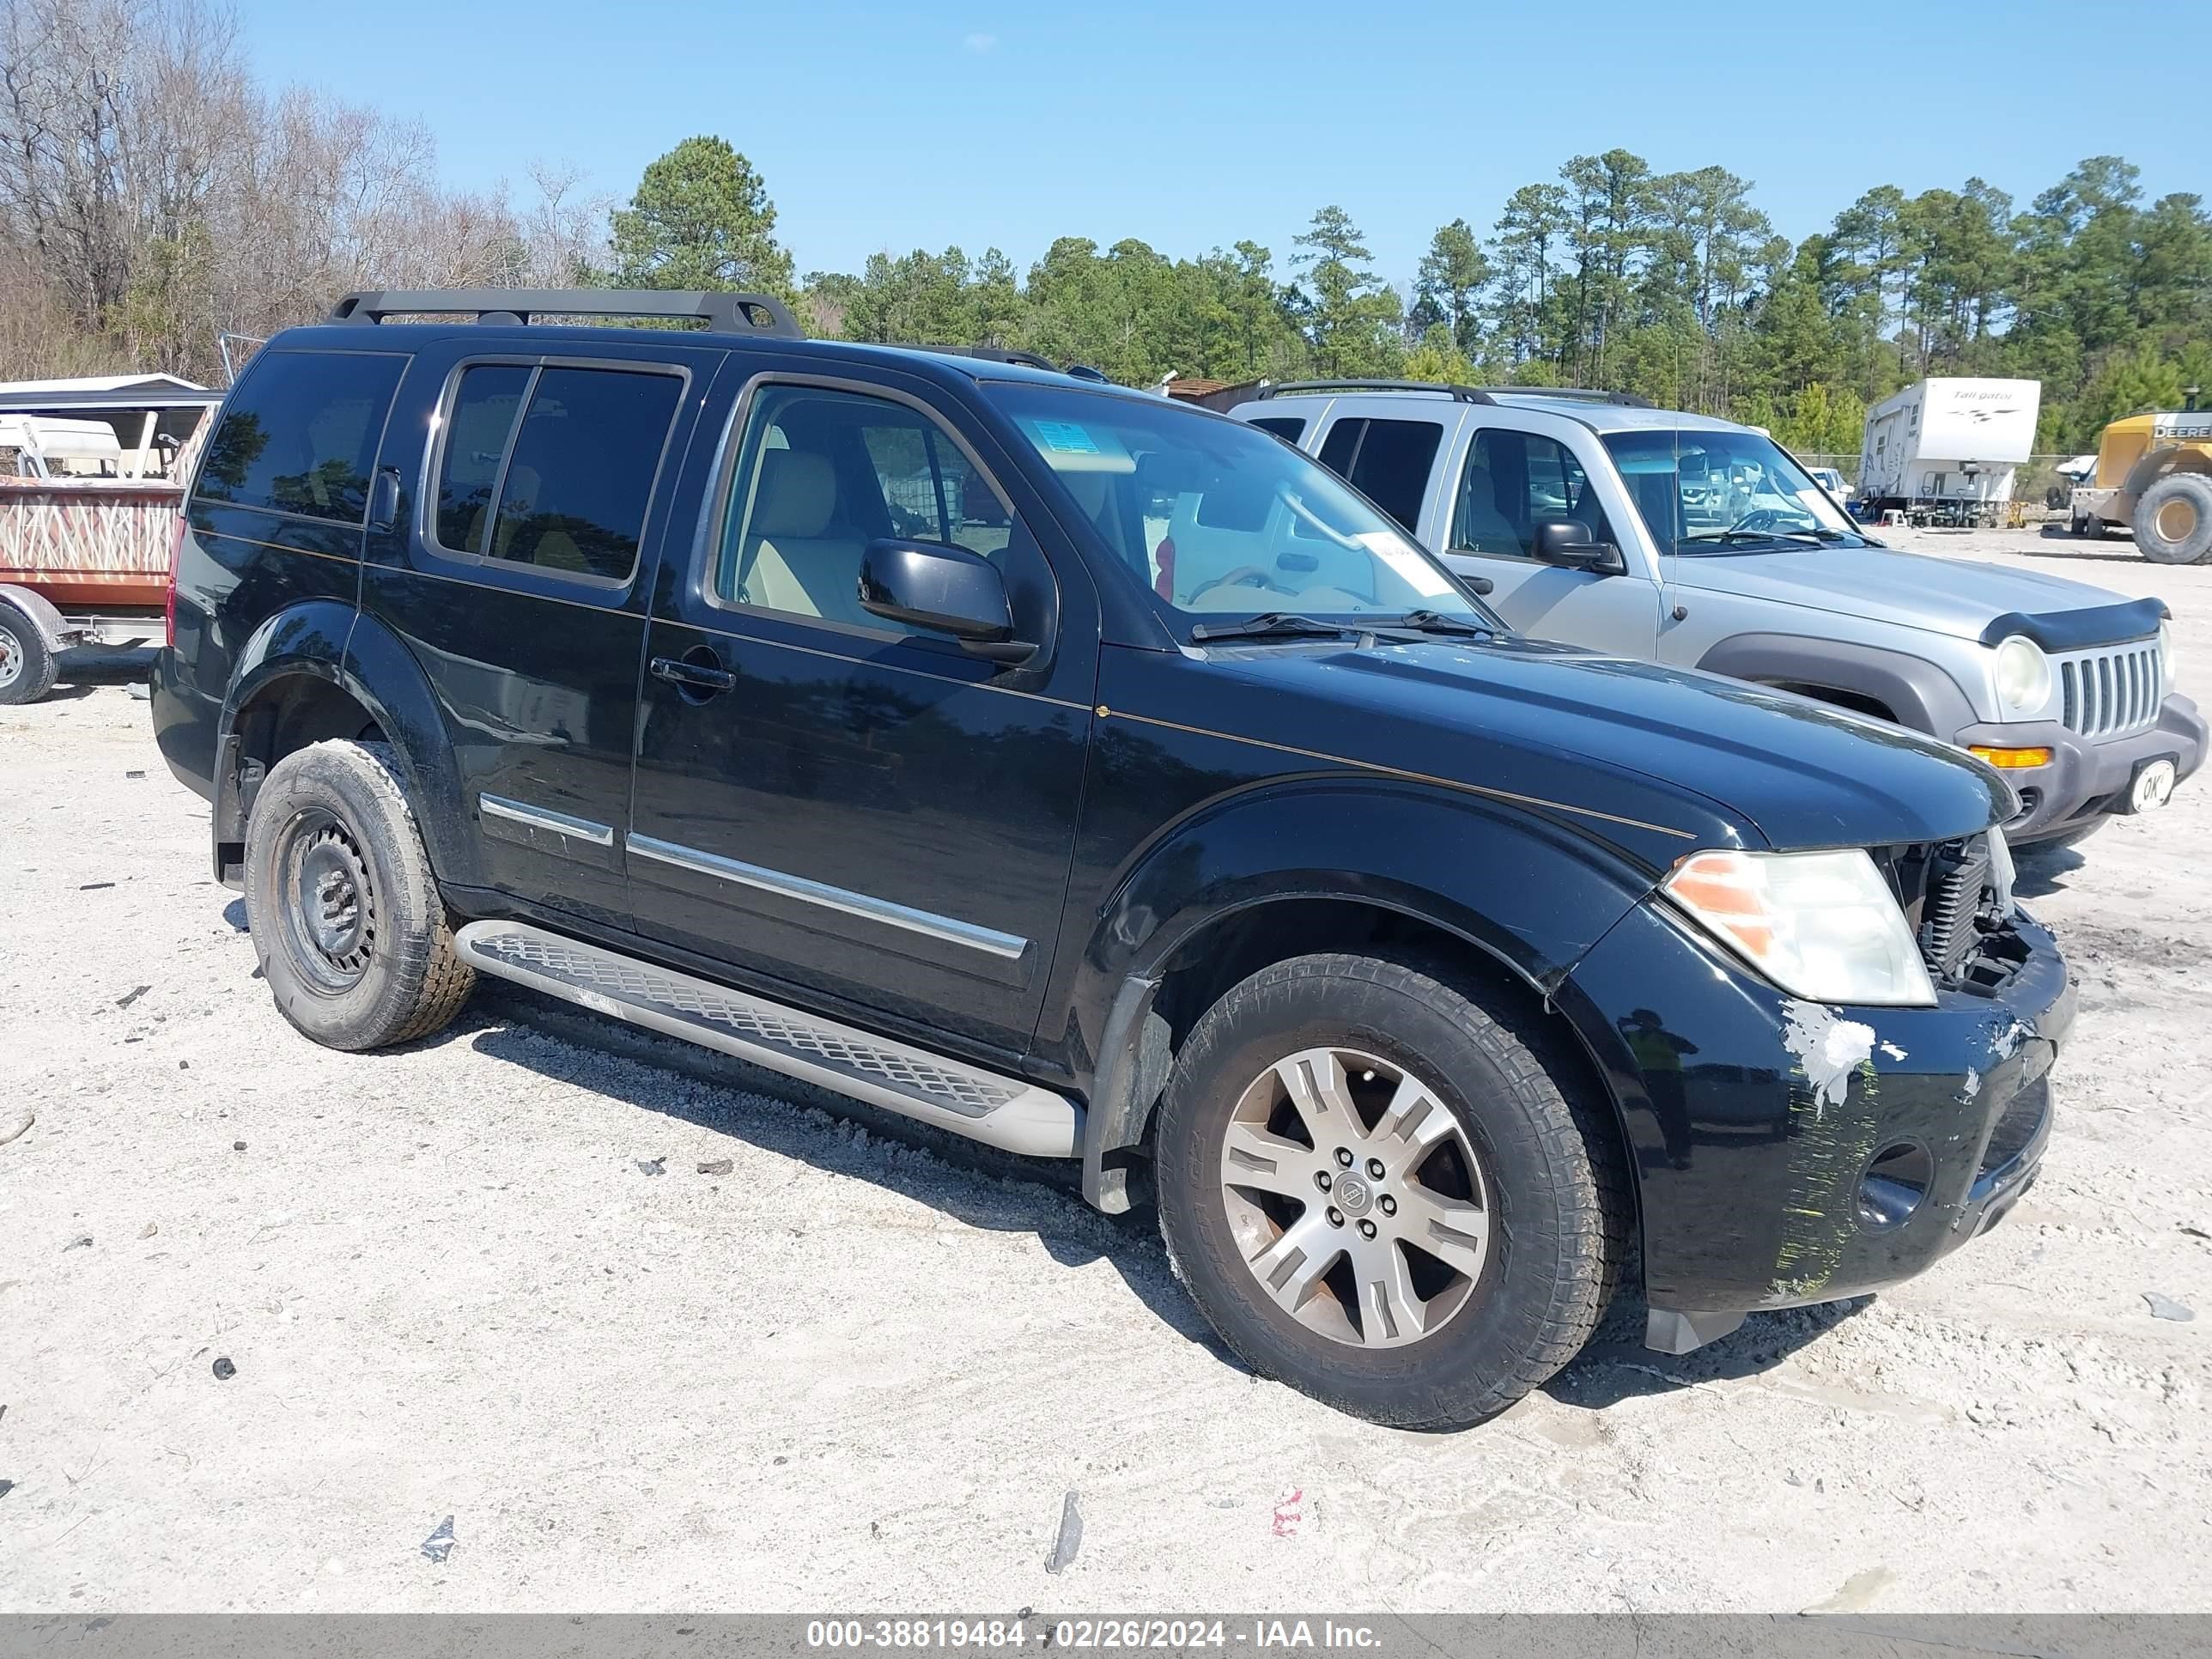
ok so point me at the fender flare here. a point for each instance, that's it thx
(1356, 841)
(327, 640)
(1918, 694)
(40, 611)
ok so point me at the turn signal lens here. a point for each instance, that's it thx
(1819, 925)
(2011, 759)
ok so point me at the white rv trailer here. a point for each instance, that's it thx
(1948, 443)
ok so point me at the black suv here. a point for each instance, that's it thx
(1100, 779)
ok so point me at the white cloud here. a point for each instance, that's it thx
(980, 42)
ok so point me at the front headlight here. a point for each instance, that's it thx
(2167, 659)
(1819, 925)
(2023, 675)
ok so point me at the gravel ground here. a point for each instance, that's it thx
(853, 1372)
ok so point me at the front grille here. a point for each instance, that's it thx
(2113, 691)
(1958, 889)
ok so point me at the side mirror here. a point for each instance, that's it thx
(945, 590)
(1572, 545)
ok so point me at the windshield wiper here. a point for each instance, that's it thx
(1271, 624)
(1738, 537)
(1425, 621)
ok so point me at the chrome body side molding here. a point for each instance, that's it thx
(539, 818)
(948, 930)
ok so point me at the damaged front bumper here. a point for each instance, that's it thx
(1786, 1152)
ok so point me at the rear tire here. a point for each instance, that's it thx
(353, 938)
(2174, 520)
(1431, 1111)
(27, 669)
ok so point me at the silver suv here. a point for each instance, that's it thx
(1595, 519)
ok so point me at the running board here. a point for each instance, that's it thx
(998, 1110)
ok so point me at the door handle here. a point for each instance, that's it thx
(697, 670)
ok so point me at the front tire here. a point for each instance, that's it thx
(2174, 520)
(1394, 1191)
(353, 938)
(27, 669)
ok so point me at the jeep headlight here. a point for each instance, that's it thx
(1823, 926)
(2166, 661)
(2023, 675)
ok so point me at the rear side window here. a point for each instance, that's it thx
(553, 467)
(1290, 428)
(1387, 461)
(300, 435)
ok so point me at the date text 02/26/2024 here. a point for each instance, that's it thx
(1129, 1634)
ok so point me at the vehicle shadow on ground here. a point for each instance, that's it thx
(2063, 544)
(1615, 1366)
(2043, 869)
(978, 1185)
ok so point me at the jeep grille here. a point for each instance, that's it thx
(2113, 692)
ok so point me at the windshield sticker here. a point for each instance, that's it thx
(1066, 438)
(1071, 446)
(1395, 550)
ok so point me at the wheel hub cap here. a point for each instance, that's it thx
(11, 659)
(1354, 1198)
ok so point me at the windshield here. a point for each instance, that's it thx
(1221, 519)
(1725, 492)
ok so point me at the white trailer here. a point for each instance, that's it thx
(1948, 446)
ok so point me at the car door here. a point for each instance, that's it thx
(520, 589)
(862, 811)
(1517, 470)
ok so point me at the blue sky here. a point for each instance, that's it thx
(975, 122)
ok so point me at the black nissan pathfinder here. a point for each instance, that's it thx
(1104, 780)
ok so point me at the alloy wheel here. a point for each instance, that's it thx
(1356, 1201)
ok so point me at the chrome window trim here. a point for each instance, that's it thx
(539, 818)
(949, 929)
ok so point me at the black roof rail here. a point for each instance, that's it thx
(1577, 394)
(1464, 394)
(1013, 354)
(726, 312)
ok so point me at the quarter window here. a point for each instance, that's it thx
(1514, 482)
(1288, 428)
(821, 474)
(553, 467)
(300, 435)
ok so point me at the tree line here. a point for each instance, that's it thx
(153, 198)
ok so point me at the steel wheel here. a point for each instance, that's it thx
(2176, 518)
(1355, 1198)
(11, 658)
(329, 922)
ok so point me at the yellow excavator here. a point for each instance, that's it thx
(2154, 476)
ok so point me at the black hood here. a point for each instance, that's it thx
(1667, 746)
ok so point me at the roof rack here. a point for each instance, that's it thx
(1577, 394)
(1465, 394)
(728, 313)
(1013, 354)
